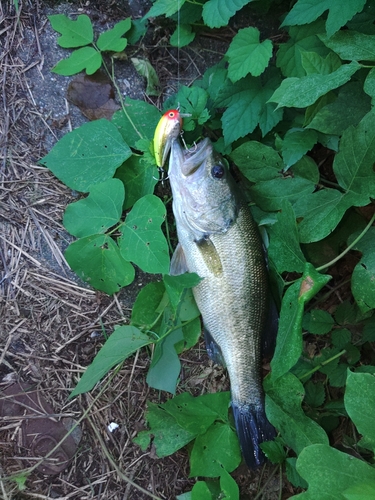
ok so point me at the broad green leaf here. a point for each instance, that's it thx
(257, 161)
(301, 92)
(165, 365)
(246, 54)
(97, 260)
(164, 8)
(284, 250)
(289, 337)
(269, 115)
(73, 33)
(274, 450)
(369, 85)
(142, 240)
(176, 286)
(228, 486)
(215, 449)
(111, 39)
(292, 474)
(168, 436)
(296, 144)
(123, 342)
(283, 406)
(138, 29)
(86, 58)
(315, 63)
(145, 309)
(320, 213)
(318, 322)
(314, 394)
(98, 212)
(302, 39)
(192, 101)
(139, 179)
(329, 472)
(201, 491)
(359, 401)
(136, 121)
(182, 36)
(339, 13)
(351, 45)
(88, 155)
(348, 109)
(361, 491)
(341, 337)
(145, 69)
(197, 414)
(353, 165)
(216, 13)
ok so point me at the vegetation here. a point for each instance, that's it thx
(306, 99)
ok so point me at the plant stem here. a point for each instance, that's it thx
(353, 243)
(260, 493)
(323, 363)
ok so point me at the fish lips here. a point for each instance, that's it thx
(190, 160)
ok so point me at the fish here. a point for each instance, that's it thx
(219, 240)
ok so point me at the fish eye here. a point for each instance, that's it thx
(217, 171)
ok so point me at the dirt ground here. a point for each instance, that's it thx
(52, 325)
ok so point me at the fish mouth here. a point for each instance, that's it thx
(190, 160)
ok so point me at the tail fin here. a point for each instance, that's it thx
(253, 428)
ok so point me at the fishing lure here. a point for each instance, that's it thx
(167, 130)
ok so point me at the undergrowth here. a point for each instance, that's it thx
(275, 109)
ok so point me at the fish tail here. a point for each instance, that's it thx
(253, 428)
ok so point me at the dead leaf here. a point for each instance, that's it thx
(93, 95)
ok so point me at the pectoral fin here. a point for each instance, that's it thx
(178, 262)
(210, 256)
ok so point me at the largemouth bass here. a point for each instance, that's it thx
(219, 240)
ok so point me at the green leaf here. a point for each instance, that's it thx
(284, 250)
(192, 101)
(74, 33)
(351, 45)
(201, 491)
(168, 436)
(136, 121)
(123, 342)
(215, 449)
(98, 212)
(145, 309)
(289, 338)
(111, 39)
(216, 13)
(315, 63)
(305, 11)
(296, 144)
(88, 155)
(329, 472)
(97, 260)
(314, 394)
(257, 161)
(361, 491)
(353, 165)
(348, 109)
(197, 414)
(145, 69)
(142, 240)
(283, 406)
(369, 85)
(138, 178)
(176, 286)
(182, 36)
(164, 7)
(165, 365)
(228, 486)
(359, 402)
(301, 92)
(302, 39)
(318, 322)
(292, 474)
(274, 450)
(85, 58)
(341, 337)
(246, 54)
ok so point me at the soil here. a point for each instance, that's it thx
(52, 324)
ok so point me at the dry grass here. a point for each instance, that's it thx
(52, 325)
